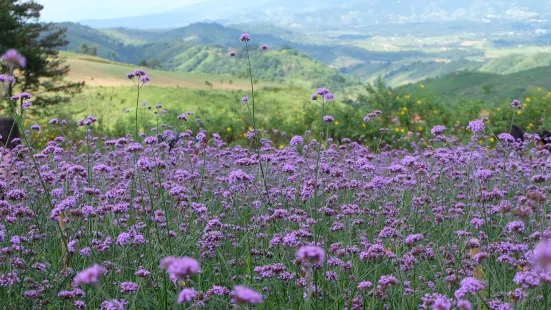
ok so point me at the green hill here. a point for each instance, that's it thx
(203, 48)
(485, 86)
(516, 63)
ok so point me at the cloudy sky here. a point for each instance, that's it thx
(75, 10)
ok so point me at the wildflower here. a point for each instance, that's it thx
(323, 91)
(144, 79)
(442, 303)
(365, 285)
(140, 72)
(469, 285)
(411, 239)
(476, 126)
(183, 117)
(90, 275)
(527, 279)
(329, 97)
(437, 130)
(142, 273)
(245, 37)
(35, 127)
(328, 118)
(516, 104)
(311, 254)
(296, 140)
(542, 255)
(505, 137)
(187, 295)
(245, 99)
(113, 305)
(264, 47)
(242, 296)
(180, 268)
(129, 287)
(13, 58)
(232, 53)
(464, 305)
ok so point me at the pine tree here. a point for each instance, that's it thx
(39, 42)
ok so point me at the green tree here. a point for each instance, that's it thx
(39, 43)
(154, 63)
(83, 48)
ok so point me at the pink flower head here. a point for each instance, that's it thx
(476, 126)
(245, 37)
(542, 255)
(244, 295)
(13, 58)
(181, 267)
(90, 275)
(311, 254)
(187, 295)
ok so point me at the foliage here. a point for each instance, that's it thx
(39, 43)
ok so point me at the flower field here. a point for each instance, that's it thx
(177, 219)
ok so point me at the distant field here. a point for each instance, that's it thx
(95, 71)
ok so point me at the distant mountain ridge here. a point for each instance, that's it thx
(311, 14)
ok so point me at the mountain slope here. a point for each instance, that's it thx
(310, 14)
(486, 86)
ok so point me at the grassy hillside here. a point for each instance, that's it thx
(486, 86)
(97, 71)
(396, 74)
(516, 63)
(78, 34)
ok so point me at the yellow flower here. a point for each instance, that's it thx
(250, 128)
(281, 146)
(420, 128)
(244, 134)
(528, 99)
(363, 125)
(337, 123)
(422, 85)
(397, 129)
(402, 113)
(435, 111)
(480, 141)
(525, 105)
(402, 130)
(519, 112)
(419, 101)
(492, 139)
(405, 108)
(228, 129)
(499, 109)
(530, 125)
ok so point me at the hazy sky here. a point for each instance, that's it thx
(75, 10)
